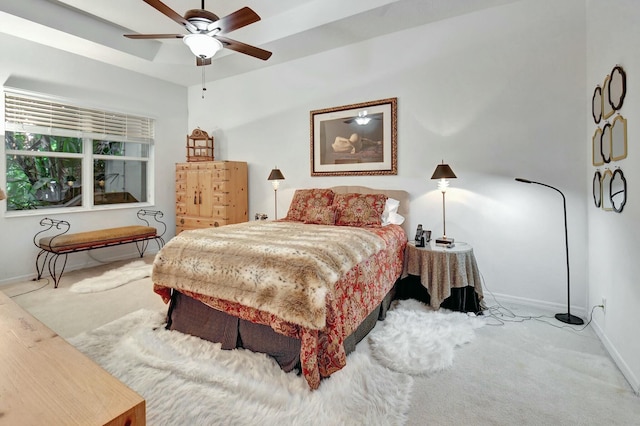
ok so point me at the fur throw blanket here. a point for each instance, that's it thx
(284, 268)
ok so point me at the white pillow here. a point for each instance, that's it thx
(396, 219)
(390, 212)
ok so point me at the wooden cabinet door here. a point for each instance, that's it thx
(193, 196)
(199, 193)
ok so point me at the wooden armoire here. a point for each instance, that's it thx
(210, 194)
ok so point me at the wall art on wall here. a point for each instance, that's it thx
(605, 184)
(617, 87)
(596, 141)
(596, 104)
(607, 109)
(618, 191)
(605, 143)
(609, 141)
(356, 139)
(597, 188)
(619, 138)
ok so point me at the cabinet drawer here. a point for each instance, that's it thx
(217, 199)
(219, 175)
(194, 223)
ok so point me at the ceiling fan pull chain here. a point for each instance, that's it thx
(204, 89)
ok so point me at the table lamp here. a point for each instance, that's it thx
(275, 177)
(443, 172)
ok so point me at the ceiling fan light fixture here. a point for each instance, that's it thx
(202, 45)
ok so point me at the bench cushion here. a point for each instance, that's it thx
(94, 239)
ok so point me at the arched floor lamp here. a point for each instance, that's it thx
(566, 318)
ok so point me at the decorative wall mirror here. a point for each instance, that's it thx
(618, 190)
(596, 104)
(607, 110)
(617, 87)
(606, 190)
(597, 188)
(619, 138)
(605, 143)
(597, 159)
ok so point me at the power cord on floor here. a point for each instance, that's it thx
(35, 289)
(505, 315)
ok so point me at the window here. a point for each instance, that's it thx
(59, 155)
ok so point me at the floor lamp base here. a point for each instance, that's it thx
(569, 319)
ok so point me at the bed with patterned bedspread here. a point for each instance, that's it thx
(313, 277)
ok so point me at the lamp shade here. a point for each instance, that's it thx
(275, 174)
(202, 45)
(443, 171)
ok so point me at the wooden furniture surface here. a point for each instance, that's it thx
(45, 380)
(211, 194)
(441, 269)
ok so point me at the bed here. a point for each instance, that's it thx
(304, 289)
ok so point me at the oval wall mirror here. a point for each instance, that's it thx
(597, 159)
(597, 188)
(618, 191)
(607, 110)
(605, 143)
(596, 104)
(617, 87)
(619, 138)
(606, 190)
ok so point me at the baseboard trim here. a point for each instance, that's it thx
(535, 303)
(634, 382)
(88, 263)
(631, 378)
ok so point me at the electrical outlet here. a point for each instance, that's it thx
(604, 305)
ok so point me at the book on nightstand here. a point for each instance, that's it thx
(445, 242)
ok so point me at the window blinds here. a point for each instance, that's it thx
(25, 111)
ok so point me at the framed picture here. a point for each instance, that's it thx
(357, 139)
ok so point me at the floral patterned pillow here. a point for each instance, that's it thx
(359, 209)
(321, 215)
(305, 199)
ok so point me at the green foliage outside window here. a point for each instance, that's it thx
(37, 181)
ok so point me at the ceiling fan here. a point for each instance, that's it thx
(205, 29)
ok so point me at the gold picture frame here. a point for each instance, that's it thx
(355, 140)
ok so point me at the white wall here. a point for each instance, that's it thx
(497, 94)
(42, 69)
(613, 37)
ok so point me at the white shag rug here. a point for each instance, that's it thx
(186, 380)
(415, 339)
(113, 278)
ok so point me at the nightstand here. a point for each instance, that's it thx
(442, 270)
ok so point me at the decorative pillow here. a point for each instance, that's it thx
(321, 215)
(304, 199)
(390, 207)
(359, 209)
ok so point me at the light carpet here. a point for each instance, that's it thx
(113, 278)
(415, 339)
(186, 380)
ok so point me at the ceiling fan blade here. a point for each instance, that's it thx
(145, 36)
(244, 48)
(203, 61)
(238, 19)
(166, 10)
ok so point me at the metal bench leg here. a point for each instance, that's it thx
(53, 266)
(40, 267)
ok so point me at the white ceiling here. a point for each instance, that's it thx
(290, 29)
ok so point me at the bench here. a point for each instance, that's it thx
(61, 243)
